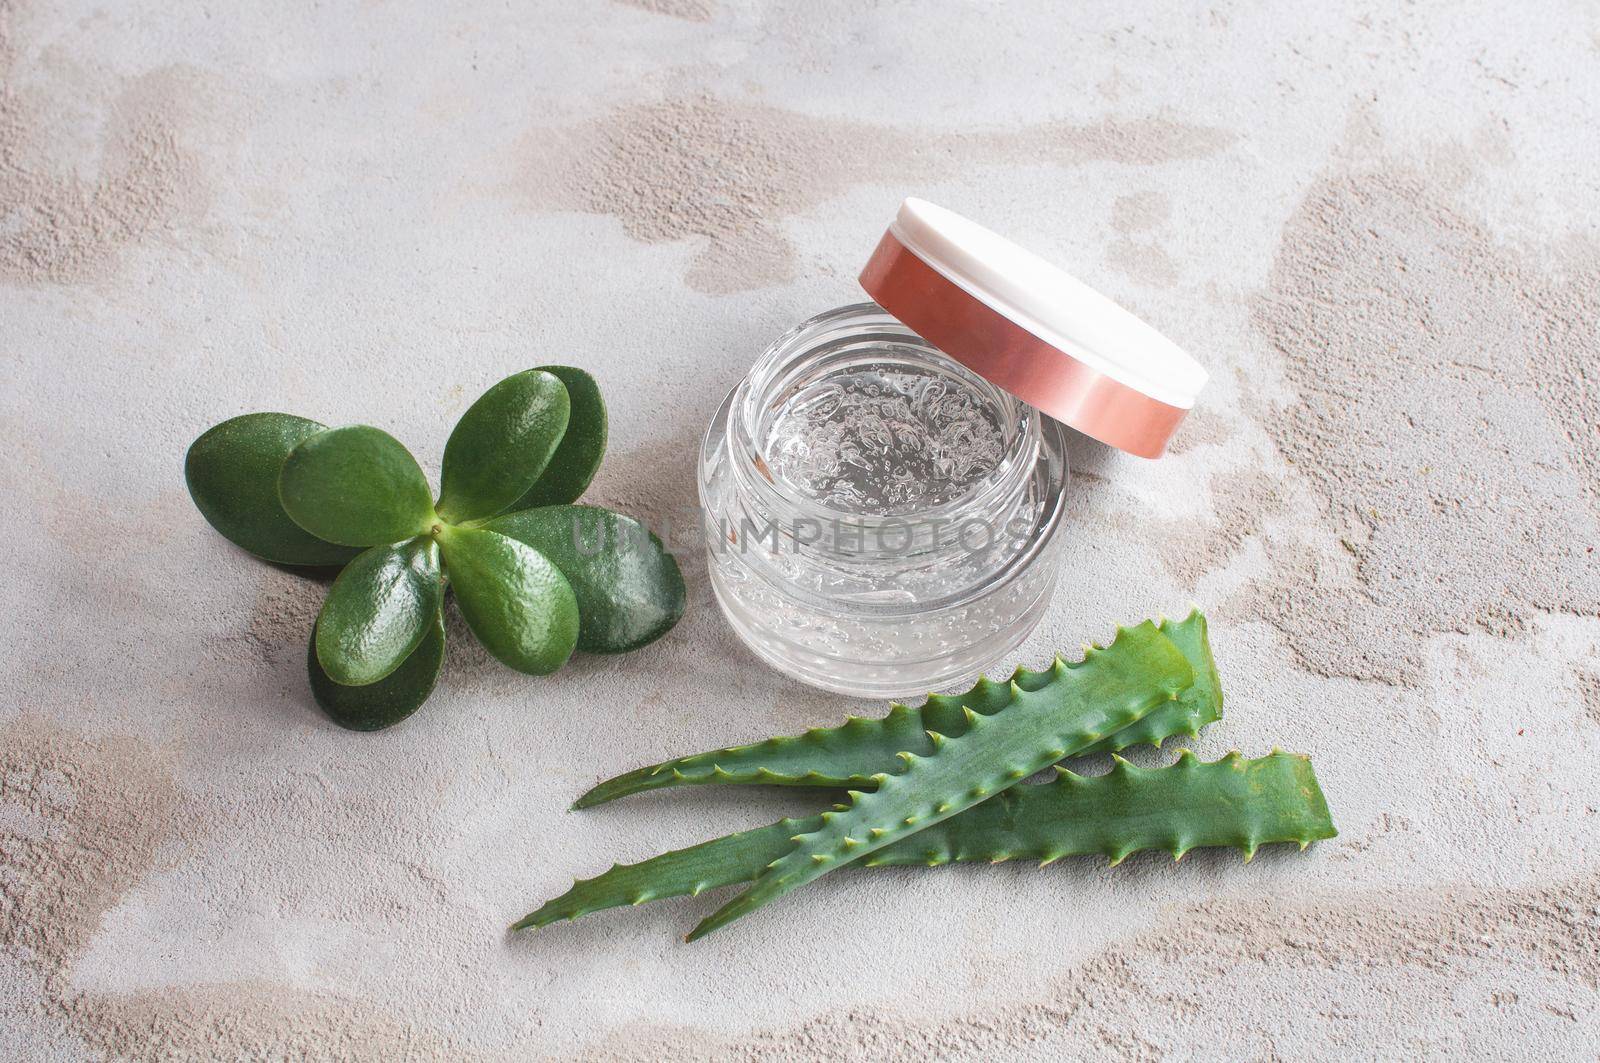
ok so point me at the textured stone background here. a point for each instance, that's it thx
(1375, 223)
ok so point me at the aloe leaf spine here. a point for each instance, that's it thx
(1232, 802)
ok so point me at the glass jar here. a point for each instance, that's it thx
(880, 520)
(883, 492)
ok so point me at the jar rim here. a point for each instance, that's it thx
(753, 396)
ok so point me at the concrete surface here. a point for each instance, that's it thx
(1375, 222)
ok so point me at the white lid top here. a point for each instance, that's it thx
(1049, 303)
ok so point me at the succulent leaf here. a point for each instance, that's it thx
(501, 445)
(388, 701)
(356, 485)
(1109, 689)
(378, 611)
(577, 459)
(1187, 805)
(516, 602)
(232, 473)
(1193, 709)
(628, 587)
(851, 754)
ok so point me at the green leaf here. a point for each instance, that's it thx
(1232, 802)
(1110, 689)
(358, 486)
(851, 755)
(516, 602)
(629, 589)
(388, 701)
(378, 611)
(232, 472)
(577, 459)
(501, 445)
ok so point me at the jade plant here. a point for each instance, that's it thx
(938, 783)
(534, 576)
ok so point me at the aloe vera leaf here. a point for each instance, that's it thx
(513, 599)
(502, 445)
(1081, 704)
(848, 756)
(378, 610)
(629, 589)
(1193, 709)
(577, 459)
(232, 474)
(686, 872)
(356, 485)
(392, 698)
(1232, 802)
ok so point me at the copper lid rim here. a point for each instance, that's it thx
(994, 345)
(1051, 337)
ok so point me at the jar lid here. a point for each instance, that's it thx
(1031, 328)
